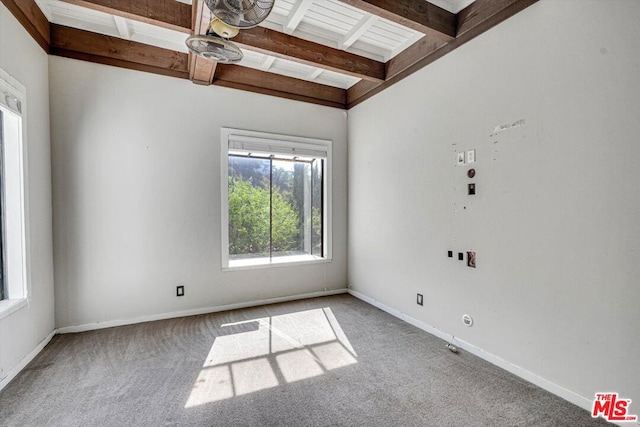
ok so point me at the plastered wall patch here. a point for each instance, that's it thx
(502, 128)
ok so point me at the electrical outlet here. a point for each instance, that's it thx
(471, 189)
(419, 299)
(460, 256)
(467, 320)
(180, 290)
(450, 254)
(461, 158)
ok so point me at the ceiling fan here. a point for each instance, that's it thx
(228, 18)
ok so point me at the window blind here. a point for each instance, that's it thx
(9, 95)
(250, 144)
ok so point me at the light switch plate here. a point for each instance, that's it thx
(461, 158)
(471, 156)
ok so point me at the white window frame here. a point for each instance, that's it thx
(15, 215)
(301, 145)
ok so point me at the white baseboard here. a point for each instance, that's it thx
(558, 390)
(193, 312)
(25, 361)
(543, 383)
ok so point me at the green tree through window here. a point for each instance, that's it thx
(271, 207)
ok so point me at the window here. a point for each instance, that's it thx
(276, 199)
(13, 271)
(2, 290)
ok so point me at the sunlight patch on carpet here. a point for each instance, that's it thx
(261, 354)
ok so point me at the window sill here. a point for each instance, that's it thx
(285, 261)
(9, 306)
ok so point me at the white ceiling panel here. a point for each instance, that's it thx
(331, 22)
(70, 15)
(296, 70)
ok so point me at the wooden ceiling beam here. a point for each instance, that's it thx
(252, 80)
(32, 19)
(483, 15)
(88, 46)
(92, 47)
(474, 20)
(420, 15)
(361, 91)
(412, 55)
(266, 41)
(169, 14)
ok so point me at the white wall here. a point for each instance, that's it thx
(555, 221)
(136, 184)
(22, 331)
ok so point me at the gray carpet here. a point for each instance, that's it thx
(333, 361)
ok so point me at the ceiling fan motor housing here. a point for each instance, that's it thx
(240, 13)
(215, 48)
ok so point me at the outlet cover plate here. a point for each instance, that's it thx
(467, 320)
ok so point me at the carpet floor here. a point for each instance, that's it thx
(331, 361)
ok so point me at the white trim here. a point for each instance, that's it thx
(16, 227)
(273, 137)
(558, 390)
(285, 261)
(194, 312)
(268, 145)
(25, 361)
(122, 26)
(9, 306)
(224, 197)
(357, 31)
(295, 16)
(13, 87)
